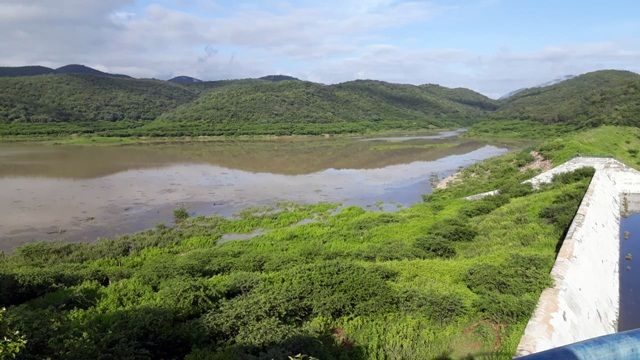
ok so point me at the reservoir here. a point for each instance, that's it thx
(629, 317)
(82, 192)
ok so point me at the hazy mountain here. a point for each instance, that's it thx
(548, 83)
(184, 80)
(42, 70)
(81, 69)
(25, 71)
(278, 78)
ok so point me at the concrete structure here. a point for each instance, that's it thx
(584, 301)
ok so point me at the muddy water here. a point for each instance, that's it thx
(79, 193)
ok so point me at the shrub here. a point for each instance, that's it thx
(11, 341)
(523, 158)
(516, 189)
(519, 275)
(484, 206)
(436, 246)
(180, 214)
(440, 307)
(574, 176)
(332, 289)
(506, 308)
(563, 208)
(186, 297)
(456, 229)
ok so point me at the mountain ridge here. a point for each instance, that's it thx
(279, 104)
(591, 99)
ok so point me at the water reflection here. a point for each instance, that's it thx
(80, 193)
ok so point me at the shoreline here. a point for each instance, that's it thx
(116, 140)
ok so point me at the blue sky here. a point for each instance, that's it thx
(492, 46)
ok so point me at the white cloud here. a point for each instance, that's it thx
(328, 41)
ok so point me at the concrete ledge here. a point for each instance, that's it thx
(584, 301)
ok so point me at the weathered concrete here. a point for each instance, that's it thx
(584, 301)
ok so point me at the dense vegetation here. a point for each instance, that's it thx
(441, 279)
(294, 107)
(84, 100)
(444, 278)
(601, 97)
(90, 101)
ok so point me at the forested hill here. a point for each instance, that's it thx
(285, 103)
(600, 97)
(75, 103)
(38, 102)
(86, 98)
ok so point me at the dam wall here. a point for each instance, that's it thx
(584, 300)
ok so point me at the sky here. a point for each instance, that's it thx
(491, 46)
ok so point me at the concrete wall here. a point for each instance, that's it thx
(584, 301)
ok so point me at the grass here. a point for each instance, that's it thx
(445, 278)
(354, 276)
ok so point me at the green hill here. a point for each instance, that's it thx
(112, 106)
(600, 97)
(462, 96)
(257, 106)
(83, 99)
(81, 69)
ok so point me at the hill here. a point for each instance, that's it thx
(600, 97)
(81, 69)
(258, 106)
(548, 83)
(25, 71)
(42, 70)
(278, 78)
(184, 80)
(85, 99)
(462, 96)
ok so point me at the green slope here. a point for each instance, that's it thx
(80, 98)
(64, 104)
(256, 106)
(462, 96)
(600, 97)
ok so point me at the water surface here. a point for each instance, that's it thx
(79, 193)
(629, 314)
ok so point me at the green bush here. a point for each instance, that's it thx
(516, 189)
(484, 206)
(454, 229)
(506, 308)
(11, 341)
(440, 307)
(561, 212)
(518, 275)
(574, 176)
(523, 158)
(180, 214)
(436, 246)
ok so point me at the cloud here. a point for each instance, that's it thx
(329, 41)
